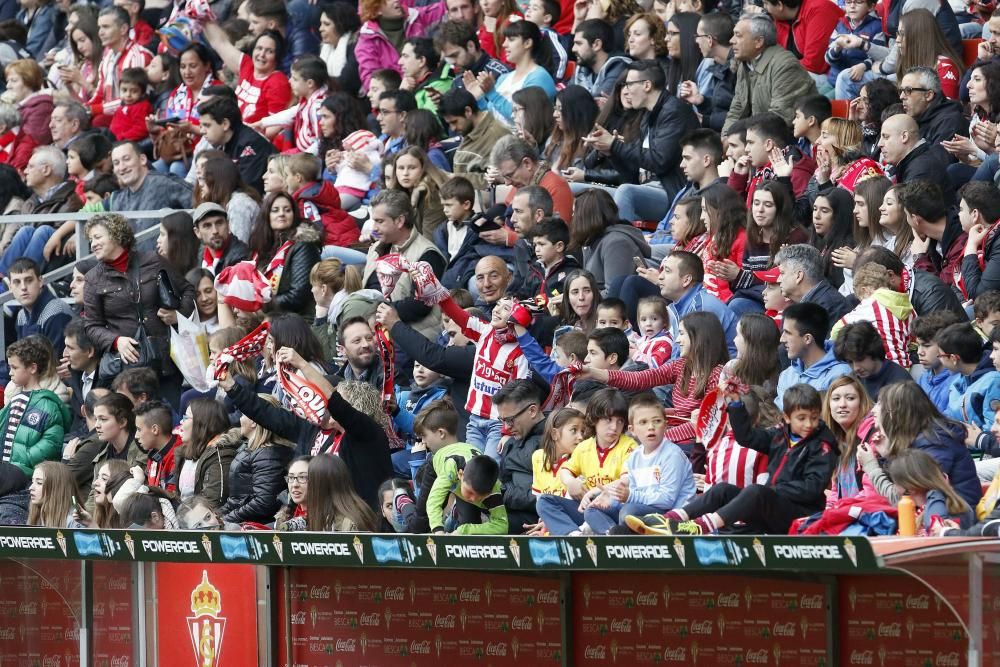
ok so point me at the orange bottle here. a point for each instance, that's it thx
(907, 517)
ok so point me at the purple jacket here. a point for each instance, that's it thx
(374, 51)
(36, 109)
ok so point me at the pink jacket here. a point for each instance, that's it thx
(374, 51)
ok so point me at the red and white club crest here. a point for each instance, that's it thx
(207, 625)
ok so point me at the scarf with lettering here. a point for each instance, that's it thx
(713, 416)
(561, 388)
(307, 400)
(248, 347)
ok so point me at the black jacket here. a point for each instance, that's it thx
(891, 373)
(454, 362)
(236, 251)
(256, 477)
(826, 295)
(928, 294)
(665, 124)
(528, 275)
(926, 163)
(515, 477)
(364, 447)
(978, 280)
(942, 120)
(294, 293)
(800, 474)
(249, 150)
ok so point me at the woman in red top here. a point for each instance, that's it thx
(262, 90)
(724, 215)
(922, 44)
(504, 12)
(703, 354)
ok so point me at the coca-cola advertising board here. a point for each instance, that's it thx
(646, 619)
(38, 614)
(896, 621)
(206, 615)
(384, 618)
(114, 615)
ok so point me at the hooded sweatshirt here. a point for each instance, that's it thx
(892, 315)
(818, 376)
(319, 202)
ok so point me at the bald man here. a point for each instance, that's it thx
(492, 280)
(912, 156)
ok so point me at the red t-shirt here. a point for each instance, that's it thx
(259, 98)
(129, 121)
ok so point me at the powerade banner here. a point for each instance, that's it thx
(834, 555)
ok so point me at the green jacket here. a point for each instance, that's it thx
(39, 436)
(776, 81)
(447, 462)
(440, 80)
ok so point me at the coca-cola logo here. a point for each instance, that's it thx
(521, 623)
(862, 657)
(52, 661)
(701, 628)
(547, 597)
(598, 652)
(758, 657)
(784, 629)
(647, 599)
(396, 594)
(624, 625)
(496, 649)
(120, 661)
(811, 602)
(469, 595)
(118, 584)
(7, 634)
(420, 648)
(347, 645)
(28, 609)
(729, 600)
(947, 659)
(373, 619)
(72, 634)
(444, 621)
(918, 601)
(678, 654)
(319, 593)
(890, 629)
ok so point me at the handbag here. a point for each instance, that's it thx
(149, 353)
(171, 145)
(167, 294)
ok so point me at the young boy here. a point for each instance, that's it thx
(154, 424)
(33, 423)
(550, 238)
(318, 200)
(570, 348)
(860, 345)
(595, 463)
(802, 456)
(607, 349)
(129, 122)
(427, 387)
(611, 312)
(774, 301)
(458, 199)
(545, 14)
(853, 35)
(466, 487)
(657, 476)
(296, 129)
(810, 112)
(435, 429)
(986, 310)
(977, 382)
(936, 379)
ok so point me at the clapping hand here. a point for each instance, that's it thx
(780, 163)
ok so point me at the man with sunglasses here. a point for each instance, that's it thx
(519, 407)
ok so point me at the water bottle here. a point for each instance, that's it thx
(907, 517)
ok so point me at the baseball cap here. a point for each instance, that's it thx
(206, 209)
(769, 276)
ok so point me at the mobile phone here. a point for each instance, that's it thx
(640, 263)
(168, 121)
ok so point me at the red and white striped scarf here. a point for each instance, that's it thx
(248, 347)
(277, 264)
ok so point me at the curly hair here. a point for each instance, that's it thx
(33, 349)
(364, 398)
(117, 227)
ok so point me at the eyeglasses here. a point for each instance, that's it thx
(509, 421)
(906, 92)
(632, 83)
(301, 479)
(386, 112)
(698, 35)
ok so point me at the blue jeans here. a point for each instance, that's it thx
(28, 242)
(603, 520)
(561, 515)
(348, 256)
(177, 168)
(642, 202)
(848, 90)
(485, 435)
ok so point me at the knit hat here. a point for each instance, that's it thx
(858, 171)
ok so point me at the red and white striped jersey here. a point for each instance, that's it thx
(731, 463)
(654, 351)
(303, 120)
(891, 314)
(105, 99)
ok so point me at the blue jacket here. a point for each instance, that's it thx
(697, 299)
(504, 107)
(947, 447)
(412, 401)
(937, 387)
(41, 29)
(970, 396)
(819, 375)
(840, 59)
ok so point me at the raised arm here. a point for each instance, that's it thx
(219, 41)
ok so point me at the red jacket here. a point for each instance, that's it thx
(161, 467)
(129, 121)
(319, 202)
(812, 28)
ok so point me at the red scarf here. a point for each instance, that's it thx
(120, 264)
(210, 257)
(980, 256)
(247, 347)
(274, 268)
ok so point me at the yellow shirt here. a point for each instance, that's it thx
(546, 482)
(600, 467)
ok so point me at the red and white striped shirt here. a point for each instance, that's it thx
(496, 363)
(105, 99)
(883, 309)
(654, 351)
(303, 120)
(731, 463)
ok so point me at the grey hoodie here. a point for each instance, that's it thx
(611, 255)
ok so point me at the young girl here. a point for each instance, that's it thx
(297, 479)
(334, 505)
(729, 462)
(756, 362)
(397, 504)
(655, 344)
(892, 220)
(503, 13)
(577, 306)
(54, 497)
(845, 406)
(149, 507)
(868, 196)
(331, 281)
(595, 463)
(724, 216)
(110, 477)
(770, 225)
(920, 477)
(703, 353)
(889, 311)
(687, 227)
(564, 430)
(833, 228)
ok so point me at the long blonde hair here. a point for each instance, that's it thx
(906, 412)
(60, 495)
(846, 438)
(915, 469)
